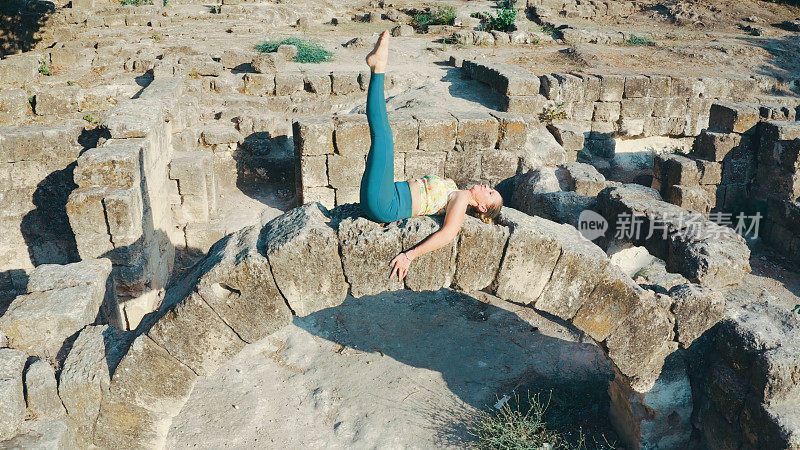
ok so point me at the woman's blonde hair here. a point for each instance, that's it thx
(491, 212)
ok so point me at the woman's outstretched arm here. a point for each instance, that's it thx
(453, 219)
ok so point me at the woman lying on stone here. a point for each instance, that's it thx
(384, 200)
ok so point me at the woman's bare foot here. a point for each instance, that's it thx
(376, 60)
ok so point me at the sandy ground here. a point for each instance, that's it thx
(396, 370)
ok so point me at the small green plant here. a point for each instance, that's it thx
(639, 41)
(164, 3)
(552, 113)
(89, 118)
(155, 37)
(32, 100)
(44, 68)
(216, 9)
(70, 83)
(504, 20)
(796, 309)
(193, 74)
(135, 2)
(307, 51)
(444, 15)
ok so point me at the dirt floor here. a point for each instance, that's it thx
(395, 370)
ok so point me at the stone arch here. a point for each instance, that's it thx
(310, 258)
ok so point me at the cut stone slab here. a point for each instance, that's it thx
(40, 322)
(86, 375)
(237, 283)
(696, 309)
(367, 248)
(433, 270)
(41, 390)
(43, 434)
(479, 253)
(12, 400)
(303, 252)
(201, 348)
(530, 256)
(639, 344)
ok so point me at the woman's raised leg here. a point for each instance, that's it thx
(378, 194)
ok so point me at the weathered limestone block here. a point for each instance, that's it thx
(530, 256)
(366, 249)
(606, 112)
(434, 270)
(580, 267)
(689, 197)
(135, 118)
(541, 149)
(476, 131)
(673, 169)
(216, 132)
(352, 135)
(303, 252)
(569, 134)
(41, 390)
(25, 143)
(237, 283)
(345, 170)
(261, 84)
(49, 433)
(268, 63)
(405, 131)
(613, 298)
(288, 51)
(437, 131)
(59, 101)
(582, 178)
(148, 387)
(639, 344)
(318, 83)
(611, 87)
(479, 253)
(86, 375)
(715, 146)
(234, 58)
(116, 164)
(637, 86)
(720, 259)
(20, 69)
(325, 196)
(39, 322)
(124, 210)
(774, 375)
(658, 418)
(343, 83)
(421, 163)
(733, 117)
(13, 105)
(313, 135)
(287, 83)
(12, 400)
(512, 132)
(314, 171)
(202, 349)
(188, 169)
(696, 309)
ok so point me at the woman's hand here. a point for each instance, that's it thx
(400, 264)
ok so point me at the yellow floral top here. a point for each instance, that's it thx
(433, 194)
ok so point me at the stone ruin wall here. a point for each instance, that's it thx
(601, 107)
(469, 147)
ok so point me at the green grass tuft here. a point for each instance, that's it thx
(504, 20)
(135, 2)
(640, 41)
(516, 426)
(44, 68)
(444, 15)
(307, 51)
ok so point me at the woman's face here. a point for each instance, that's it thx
(485, 195)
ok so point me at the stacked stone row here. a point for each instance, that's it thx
(593, 9)
(778, 182)
(599, 107)
(309, 259)
(469, 147)
(35, 179)
(748, 392)
(119, 209)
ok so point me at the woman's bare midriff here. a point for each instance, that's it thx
(413, 185)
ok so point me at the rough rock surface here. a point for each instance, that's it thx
(440, 265)
(41, 392)
(12, 400)
(62, 300)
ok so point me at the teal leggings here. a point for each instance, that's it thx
(382, 199)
